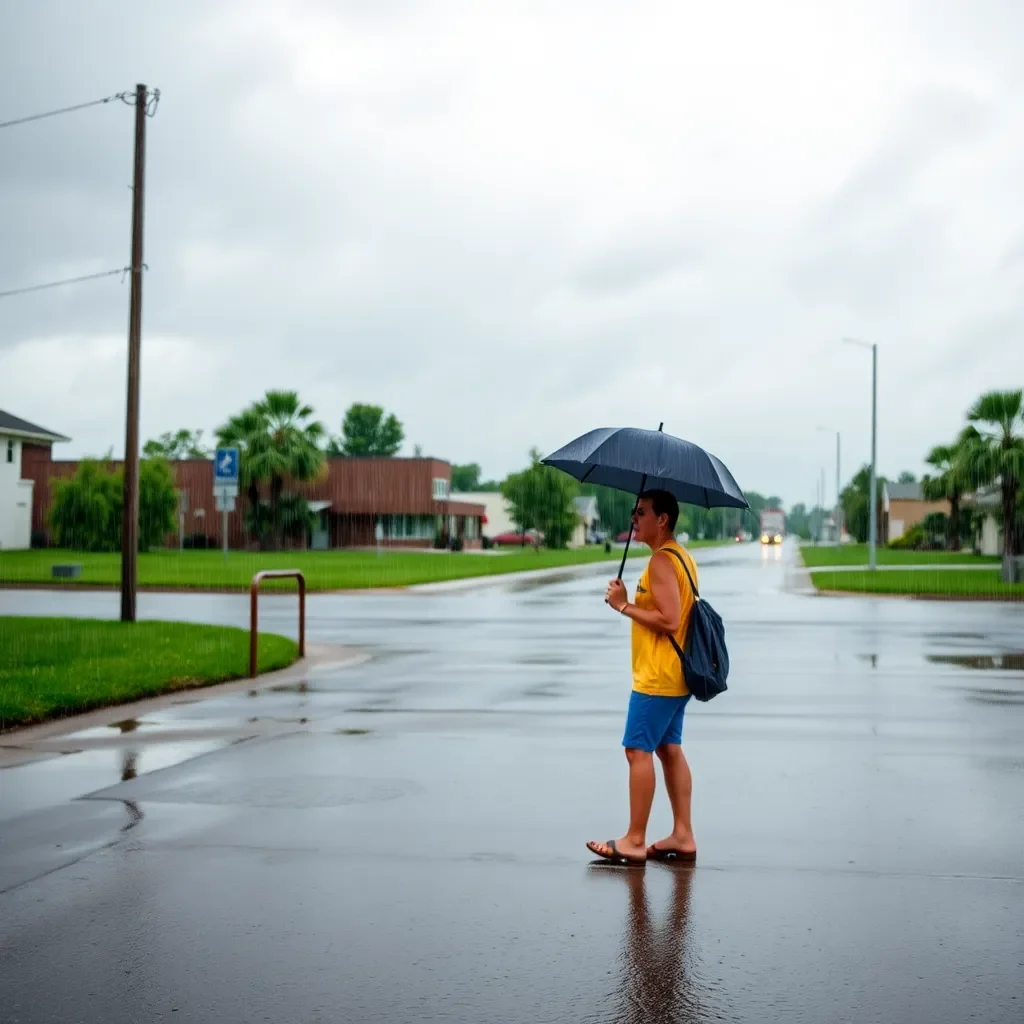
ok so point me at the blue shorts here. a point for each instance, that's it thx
(652, 721)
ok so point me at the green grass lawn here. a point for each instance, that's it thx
(967, 584)
(324, 570)
(857, 554)
(55, 667)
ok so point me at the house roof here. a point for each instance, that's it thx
(14, 425)
(586, 505)
(984, 497)
(904, 492)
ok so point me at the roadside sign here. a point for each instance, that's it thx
(182, 502)
(225, 466)
(225, 503)
(224, 491)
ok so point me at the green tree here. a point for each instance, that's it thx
(279, 443)
(541, 498)
(856, 502)
(180, 444)
(798, 521)
(466, 478)
(82, 513)
(906, 477)
(994, 453)
(158, 502)
(950, 481)
(367, 431)
(85, 514)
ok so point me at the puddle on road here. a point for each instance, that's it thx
(542, 659)
(522, 586)
(302, 687)
(546, 690)
(1009, 662)
(1002, 698)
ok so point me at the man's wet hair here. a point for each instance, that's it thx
(664, 504)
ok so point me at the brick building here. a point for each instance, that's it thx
(410, 499)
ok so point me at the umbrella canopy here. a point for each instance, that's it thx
(632, 459)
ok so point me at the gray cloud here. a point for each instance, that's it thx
(510, 226)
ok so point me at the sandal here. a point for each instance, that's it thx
(615, 856)
(685, 856)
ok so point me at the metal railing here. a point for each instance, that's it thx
(254, 592)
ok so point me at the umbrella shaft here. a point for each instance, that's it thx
(629, 536)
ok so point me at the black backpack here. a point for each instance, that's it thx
(705, 658)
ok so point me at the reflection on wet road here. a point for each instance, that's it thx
(404, 839)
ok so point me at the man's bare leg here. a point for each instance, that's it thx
(642, 782)
(679, 783)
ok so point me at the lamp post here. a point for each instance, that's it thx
(839, 506)
(873, 514)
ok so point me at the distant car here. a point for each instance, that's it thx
(621, 538)
(515, 540)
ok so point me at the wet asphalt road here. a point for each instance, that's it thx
(414, 849)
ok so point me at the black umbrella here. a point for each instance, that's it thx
(631, 459)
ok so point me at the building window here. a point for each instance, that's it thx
(398, 527)
(441, 488)
(10, 451)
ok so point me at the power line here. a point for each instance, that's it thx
(68, 280)
(67, 110)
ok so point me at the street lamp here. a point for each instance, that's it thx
(839, 507)
(873, 520)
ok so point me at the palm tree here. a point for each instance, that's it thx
(995, 452)
(278, 441)
(951, 481)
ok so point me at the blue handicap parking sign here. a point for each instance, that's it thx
(225, 465)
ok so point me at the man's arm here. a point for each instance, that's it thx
(667, 613)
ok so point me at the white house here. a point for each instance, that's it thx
(16, 492)
(496, 510)
(986, 502)
(587, 518)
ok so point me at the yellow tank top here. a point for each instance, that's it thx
(657, 668)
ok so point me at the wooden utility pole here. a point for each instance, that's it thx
(130, 512)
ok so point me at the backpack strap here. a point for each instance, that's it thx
(672, 640)
(682, 562)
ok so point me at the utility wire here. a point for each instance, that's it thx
(65, 110)
(69, 280)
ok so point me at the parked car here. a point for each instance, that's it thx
(516, 539)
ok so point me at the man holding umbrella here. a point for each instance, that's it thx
(662, 470)
(654, 721)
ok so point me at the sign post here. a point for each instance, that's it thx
(225, 487)
(182, 509)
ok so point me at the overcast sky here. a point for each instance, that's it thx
(512, 222)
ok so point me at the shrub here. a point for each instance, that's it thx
(912, 540)
(86, 511)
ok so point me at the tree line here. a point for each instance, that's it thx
(280, 443)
